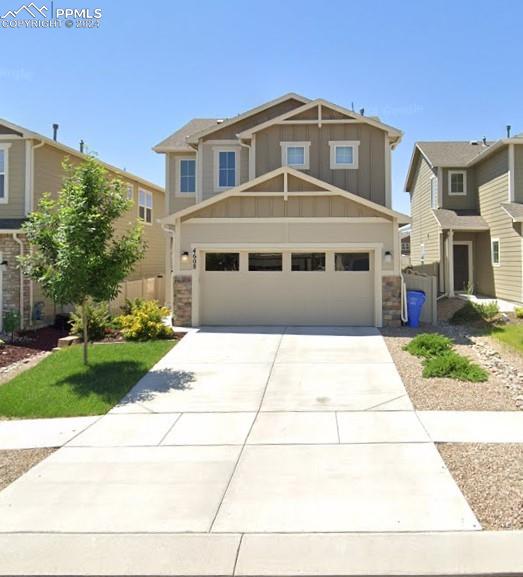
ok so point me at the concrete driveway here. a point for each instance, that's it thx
(250, 431)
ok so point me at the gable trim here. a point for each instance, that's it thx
(286, 171)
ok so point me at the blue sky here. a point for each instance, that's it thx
(436, 70)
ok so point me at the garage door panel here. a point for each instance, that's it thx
(279, 298)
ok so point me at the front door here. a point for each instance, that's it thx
(461, 267)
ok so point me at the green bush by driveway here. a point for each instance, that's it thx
(428, 345)
(62, 386)
(453, 366)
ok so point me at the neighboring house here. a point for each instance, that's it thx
(467, 209)
(30, 165)
(282, 215)
(405, 240)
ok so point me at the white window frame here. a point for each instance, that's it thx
(434, 199)
(5, 149)
(354, 144)
(306, 154)
(147, 193)
(464, 173)
(179, 177)
(492, 241)
(130, 191)
(217, 150)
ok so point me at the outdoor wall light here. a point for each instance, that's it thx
(185, 256)
(388, 256)
(3, 265)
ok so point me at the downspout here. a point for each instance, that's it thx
(404, 311)
(248, 147)
(22, 303)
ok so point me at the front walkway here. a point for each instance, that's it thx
(301, 442)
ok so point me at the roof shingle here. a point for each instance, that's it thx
(457, 154)
(451, 219)
(178, 140)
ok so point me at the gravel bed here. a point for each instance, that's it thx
(14, 464)
(447, 394)
(491, 478)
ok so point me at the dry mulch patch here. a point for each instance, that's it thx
(445, 394)
(491, 478)
(14, 464)
(10, 354)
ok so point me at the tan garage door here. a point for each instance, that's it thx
(324, 287)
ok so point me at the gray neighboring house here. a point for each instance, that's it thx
(282, 215)
(467, 209)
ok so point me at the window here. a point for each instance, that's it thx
(226, 164)
(130, 192)
(222, 261)
(3, 175)
(457, 182)
(344, 154)
(494, 245)
(187, 176)
(308, 261)
(295, 154)
(434, 201)
(265, 261)
(351, 261)
(145, 206)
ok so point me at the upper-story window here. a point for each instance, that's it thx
(187, 172)
(434, 201)
(130, 192)
(457, 183)
(145, 205)
(3, 174)
(295, 154)
(344, 154)
(227, 166)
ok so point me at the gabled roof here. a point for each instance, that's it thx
(451, 153)
(229, 121)
(177, 142)
(394, 133)
(25, 133)
(318, 186)
(455, 220)
(514, 210)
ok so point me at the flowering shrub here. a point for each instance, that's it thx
(144, 321)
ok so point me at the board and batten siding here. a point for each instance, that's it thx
(367, 181)
(468, 201)
(425, 229)
(175, 201)
(207, 153)
(493, 184)
(15, 207)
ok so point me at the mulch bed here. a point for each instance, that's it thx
(10, 354)
(491, 478)
(14, 464)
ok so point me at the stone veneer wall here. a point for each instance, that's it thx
(182, 309)
(10, 250)
(391, 297)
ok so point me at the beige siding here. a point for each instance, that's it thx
(49, 178)
(272, 207)
(367, 181)
(518, 173)
(209, 187)
(493, 181)
(466, 202)
(15, 207)
(175, 201)
(425, 229)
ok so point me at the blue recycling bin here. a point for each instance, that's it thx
(415, 302)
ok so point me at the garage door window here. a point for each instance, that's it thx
(308, 261)
(265, 261)
(222, 261)
(352, 261)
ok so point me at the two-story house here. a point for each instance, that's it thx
(467, 209)
(282, 215)
(30, 165)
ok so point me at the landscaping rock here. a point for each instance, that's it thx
(65, 342)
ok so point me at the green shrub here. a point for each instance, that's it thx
(428, 345)
(473, 312)
(145, 322)
(98, 321)
(11, 323)
(454, 366)
(127, 307)
(519, 312)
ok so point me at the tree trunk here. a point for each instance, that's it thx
(84, 325)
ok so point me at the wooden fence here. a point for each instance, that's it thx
(148, 288)
(429, 285)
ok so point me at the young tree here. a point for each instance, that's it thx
(75, 254)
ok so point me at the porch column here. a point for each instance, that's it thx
(450, 261)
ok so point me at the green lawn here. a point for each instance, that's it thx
(511, 334)
(61, 386)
